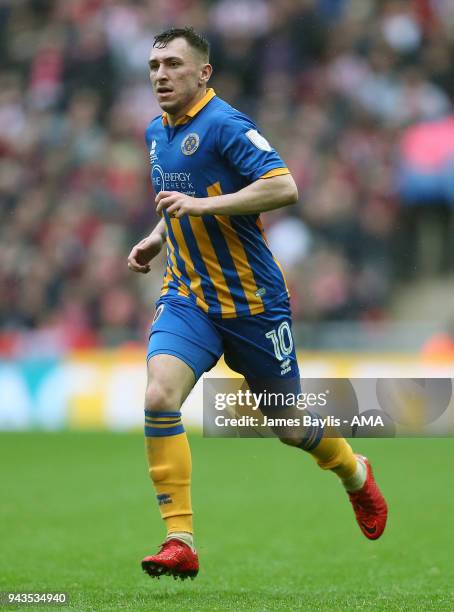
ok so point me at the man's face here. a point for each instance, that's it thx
(176, 73)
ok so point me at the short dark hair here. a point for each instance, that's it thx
(195, 40)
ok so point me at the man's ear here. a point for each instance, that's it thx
(205, 74)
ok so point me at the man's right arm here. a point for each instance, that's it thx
(143, 252)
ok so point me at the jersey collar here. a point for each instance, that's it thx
(192, 112)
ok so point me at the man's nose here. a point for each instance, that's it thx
(161, 73)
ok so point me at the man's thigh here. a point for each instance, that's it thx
(262, 349)
(261, 346)
(182, 330)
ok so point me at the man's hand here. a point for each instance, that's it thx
(143, 252)
(178, 204)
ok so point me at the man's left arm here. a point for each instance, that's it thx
(260, 196)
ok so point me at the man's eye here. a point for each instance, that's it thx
(174, 64)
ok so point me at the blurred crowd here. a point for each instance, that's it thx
(332, 85)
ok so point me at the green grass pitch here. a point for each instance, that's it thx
(273, 531)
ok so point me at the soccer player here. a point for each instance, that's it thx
(223, 291)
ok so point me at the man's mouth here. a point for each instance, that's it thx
(162, 89)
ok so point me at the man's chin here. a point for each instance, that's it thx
(170, 107)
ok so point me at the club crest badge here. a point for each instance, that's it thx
(190, 144)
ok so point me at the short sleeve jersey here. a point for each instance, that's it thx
(222, 263)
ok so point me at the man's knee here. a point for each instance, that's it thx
(160, 398)
(169, 383)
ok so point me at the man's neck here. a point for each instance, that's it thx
(172, 119)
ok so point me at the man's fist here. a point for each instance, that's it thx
(179, 204)
(143, 252)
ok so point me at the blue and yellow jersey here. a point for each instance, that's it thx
(222, 263)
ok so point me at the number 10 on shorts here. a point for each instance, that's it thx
(282, 340)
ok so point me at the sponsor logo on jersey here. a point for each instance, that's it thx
(157, 178)
(190, 144)
(172, 181)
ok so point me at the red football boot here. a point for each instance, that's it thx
(369, 506)
(175, 558)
